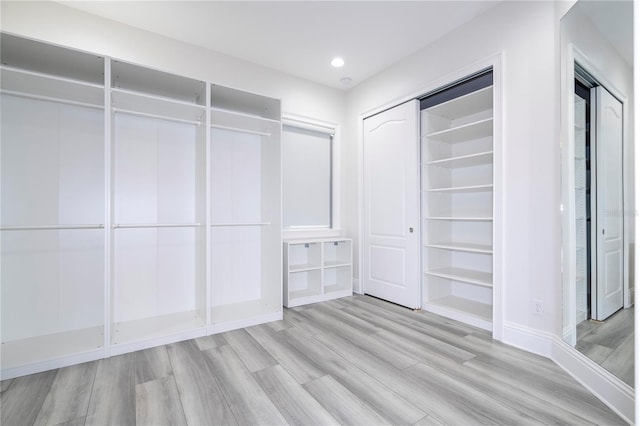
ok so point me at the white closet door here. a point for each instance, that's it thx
(391, 265)
(609, 285)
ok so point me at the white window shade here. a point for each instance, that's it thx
(306, 178)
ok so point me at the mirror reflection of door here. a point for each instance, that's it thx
(598, 200)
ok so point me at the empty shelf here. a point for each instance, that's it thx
(466, 132)
(464, 275)
(470, 188)
(473, 248)
(461, 161)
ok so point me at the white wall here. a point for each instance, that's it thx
(527, 35)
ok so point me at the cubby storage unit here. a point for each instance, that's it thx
(246, 279)
(316, 270)
(138, 207)
(53, 197)
(159, 214)
(457, 206)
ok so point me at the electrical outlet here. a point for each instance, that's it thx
(538, 308)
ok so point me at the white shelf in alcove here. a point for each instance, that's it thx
(468, 247)
(50, 88)
(302, 268)
(336, 264)
(237, 121)
(468, 104)
(476, 130)
(299, 294)
(470, 160)
(465, 219)
(465, 308)
(469, 276)
(137, 102)
(471, 188)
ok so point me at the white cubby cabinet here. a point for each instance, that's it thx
(457, 205)
(138, 207)
(316, 270)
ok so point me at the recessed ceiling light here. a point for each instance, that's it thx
(337, 62)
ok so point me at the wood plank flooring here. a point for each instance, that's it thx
(610, 343)
(352, 361)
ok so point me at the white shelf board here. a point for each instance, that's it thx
(470, 188)
(468, 104)
(461, 309)
(156, 105)
(226, 98)
(49, 347)
(130, 77)
(238, 121)
(336, 264)
(476, 130)
(461, 218)
(30, 84)
(468, 247)
(461, 161)
(155, 327)
(301, 294)
(346, 290)
(49, 59)
(304, 267)
(469, 276)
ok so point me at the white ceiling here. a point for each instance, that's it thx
(299, 37)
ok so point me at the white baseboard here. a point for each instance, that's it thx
(616, 394)
(528, 339)
(612, 391)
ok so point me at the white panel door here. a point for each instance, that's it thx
(609, 283)
(391, 265)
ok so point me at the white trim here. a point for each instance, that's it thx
(609, 389)
(497, 62)
(528, 339)
(52, 364)
(243, 323)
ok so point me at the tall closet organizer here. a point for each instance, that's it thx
(458, 200)
(138, 207)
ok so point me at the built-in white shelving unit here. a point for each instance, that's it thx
(158, 216)
(457, 206)
(316, 270)
(53, 211)
(245, 214)
(139, 207)
(581, 208)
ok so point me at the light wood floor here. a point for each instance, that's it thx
(610, 343)
(356, 360)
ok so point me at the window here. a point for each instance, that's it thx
(307, 177)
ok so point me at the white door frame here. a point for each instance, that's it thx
(495, 61)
